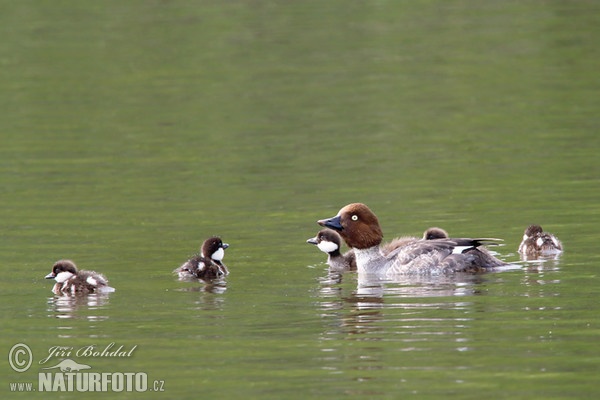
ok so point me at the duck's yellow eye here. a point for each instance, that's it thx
(355, 218)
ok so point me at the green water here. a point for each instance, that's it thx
(133, 130)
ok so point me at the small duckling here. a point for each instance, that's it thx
(435, 233)
(481, 255)
(71, 281)
(429, 234)
(329, 241)
(208, 265)
(537, 243)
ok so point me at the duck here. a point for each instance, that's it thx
(208, 265)
(537, 243)
(70, 280)
(329, 241)
(360, 229)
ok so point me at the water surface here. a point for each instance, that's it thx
(133, 130)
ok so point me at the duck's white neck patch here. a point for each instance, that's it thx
(539, 242)
(525, 237)
(218, 255)
(327, 247)
(64, 276)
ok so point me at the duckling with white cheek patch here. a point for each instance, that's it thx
(329, 241)
(207, 265)
(71, 281)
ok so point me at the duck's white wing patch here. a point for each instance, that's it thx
(326, 246)
(92, 281)
(539, 242)
(460, 249)
(201, 266)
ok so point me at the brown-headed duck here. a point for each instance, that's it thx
(360, 229)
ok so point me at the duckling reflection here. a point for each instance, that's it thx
(215, 287)
(208, 298)
(87, 306)
(541, 278)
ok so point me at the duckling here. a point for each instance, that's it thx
(329, 241)
(207, 265)
(69, 280)
(480, 253)
(435, 233)
(537, 243)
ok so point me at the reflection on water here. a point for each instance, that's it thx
(543, 264)
(213, 287)
(441, 315)
(539, 279)
(540, 258)
(503, 95)
(373, 286)
(209, 293)
(89, 307)
(457, 285)
(217, 286)
(537, 268)
(77, 306)
(375, 300)
(406, 315)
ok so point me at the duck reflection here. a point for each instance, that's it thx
(373, 296)
(413, 314)
(374, 288)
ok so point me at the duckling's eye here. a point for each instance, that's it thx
(355, 218)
